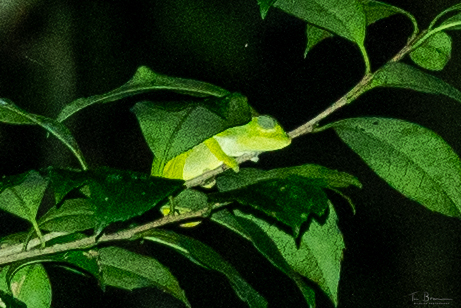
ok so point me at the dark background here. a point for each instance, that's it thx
(52, 52)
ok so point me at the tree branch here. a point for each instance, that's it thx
(12, 254)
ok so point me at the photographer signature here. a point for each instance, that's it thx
(424, 297)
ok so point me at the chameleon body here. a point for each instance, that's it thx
(261, 134)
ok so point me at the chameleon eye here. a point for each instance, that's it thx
(266, 122)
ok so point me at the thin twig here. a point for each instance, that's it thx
(12, 254)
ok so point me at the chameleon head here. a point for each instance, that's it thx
(264, 133)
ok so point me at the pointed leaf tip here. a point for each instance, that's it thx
(318, 255)
(127, 270)
(205, 256)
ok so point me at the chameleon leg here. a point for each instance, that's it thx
(217, 151)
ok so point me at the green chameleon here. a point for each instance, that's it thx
(262, 134)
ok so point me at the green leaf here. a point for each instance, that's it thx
(225, 218)
(412, 159)
(22, 194)
(264, 6)
(85, 190)
(264, 190)
(64, 180)
(12, 114)
(83, 259)
(375, 10)
(188, 200)
(342, 17)
(14, 180)
(8, 301)
(452, 23)
(264, 244)
(319, 254)
(191, 199)
(116, 195)
(31, 285)
(74, 215)
(434, 53)
(3, 281)
(320, 175)
(119, 195)
(174, 129)
(127, 270)
(204, 256)
(6, 297)
(399, 75)
(290, 199)
(145, 80)
(314, 36)
(78, 261)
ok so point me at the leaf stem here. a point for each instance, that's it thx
(80, 158)
(366, 59)
(415, 27)
(38, 232)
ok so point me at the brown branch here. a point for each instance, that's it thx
(12, 255)
(16, 248)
